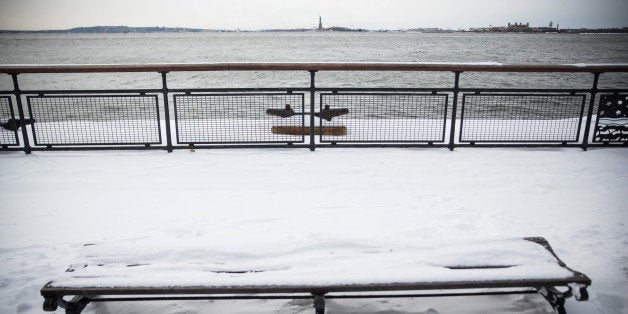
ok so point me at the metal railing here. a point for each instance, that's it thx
(73, 119)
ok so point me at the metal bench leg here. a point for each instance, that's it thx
(319, 303)
(555, 298)
(74, 306)
(579, 292)
(51, 304)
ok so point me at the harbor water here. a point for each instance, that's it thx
(134, 48)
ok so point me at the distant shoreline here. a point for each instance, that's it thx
(127, 29)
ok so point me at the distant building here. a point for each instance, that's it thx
(320, 23)
(518, 27)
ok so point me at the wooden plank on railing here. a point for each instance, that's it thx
(431, 67)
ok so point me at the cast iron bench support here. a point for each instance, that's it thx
(557, 298)
(553, 296)
(74, 306)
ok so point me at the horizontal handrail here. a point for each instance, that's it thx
(316, 66)
(434, 112)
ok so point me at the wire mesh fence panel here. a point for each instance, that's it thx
(237, 118)
(384, 117)
(8, 132)
(95, 120)
(521, 117)
(612, 119)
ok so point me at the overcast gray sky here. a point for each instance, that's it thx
(264, 14)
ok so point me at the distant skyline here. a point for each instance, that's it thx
(281, 14)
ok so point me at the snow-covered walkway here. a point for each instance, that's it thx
(253, 200)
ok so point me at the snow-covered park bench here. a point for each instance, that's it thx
(119, 272)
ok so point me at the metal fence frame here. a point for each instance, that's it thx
(387, 92)
(34, 132)
(584, 140)
(14, 141)
(577, 134)
(191, 93)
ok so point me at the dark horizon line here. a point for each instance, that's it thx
(156, 29)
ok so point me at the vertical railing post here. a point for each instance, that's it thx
(587, 126)
(166, 111)
(319, 303)
(20, 110)
(454, 109)
(312, 109)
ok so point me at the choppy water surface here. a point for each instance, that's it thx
(311, 47)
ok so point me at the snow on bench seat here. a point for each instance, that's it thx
(133, 269)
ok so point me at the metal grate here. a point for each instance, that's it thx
(95, 120)
(236, 118)
(387, 117)
(521, 118)
(8, 132)
(612, 119)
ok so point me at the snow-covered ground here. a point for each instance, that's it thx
(53, 203)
